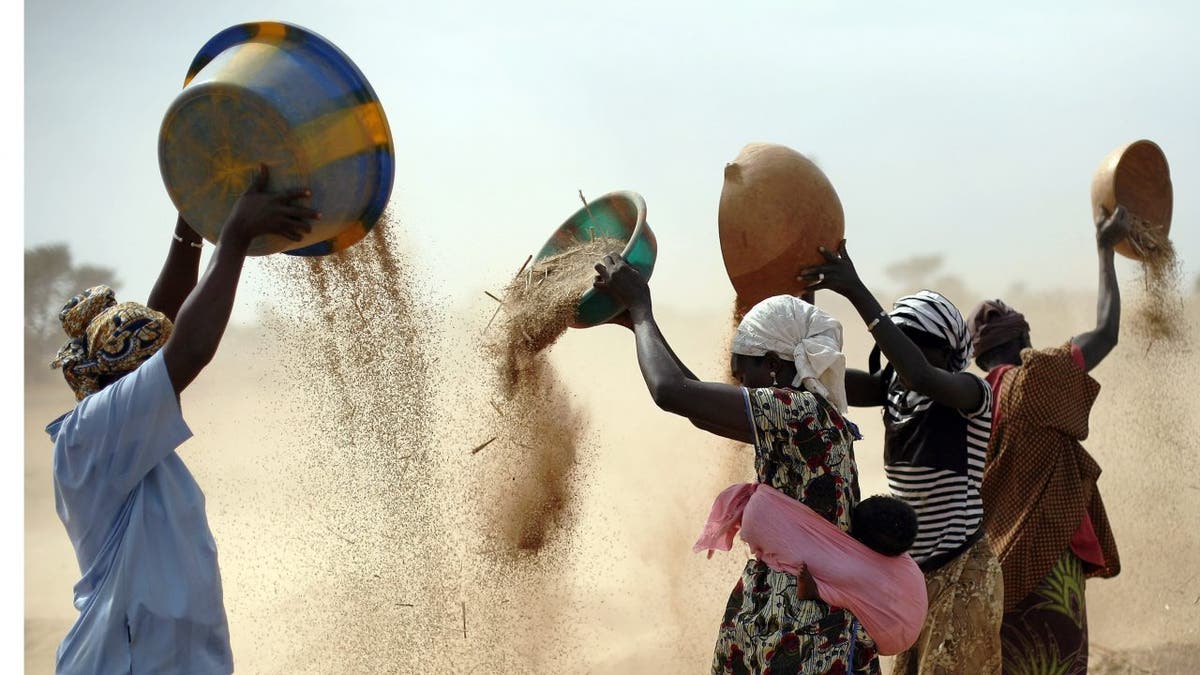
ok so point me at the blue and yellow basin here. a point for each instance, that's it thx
(619, 215)
(279, 94)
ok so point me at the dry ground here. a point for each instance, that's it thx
(308, 588)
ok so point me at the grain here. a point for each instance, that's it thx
(1159, 316)
(536, 413)
(357, 341)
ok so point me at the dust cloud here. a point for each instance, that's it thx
(335, 450)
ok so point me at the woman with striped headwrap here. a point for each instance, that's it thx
(149, 597)
(937, 419)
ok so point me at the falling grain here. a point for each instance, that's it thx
(1160, 314)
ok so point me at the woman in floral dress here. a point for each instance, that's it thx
(787, 355)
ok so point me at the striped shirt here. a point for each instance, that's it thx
(933, 458)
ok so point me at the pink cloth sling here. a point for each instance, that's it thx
(886, 593)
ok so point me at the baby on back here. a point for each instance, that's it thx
(865, 570)
(884, 524)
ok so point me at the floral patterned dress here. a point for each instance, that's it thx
(803, 448)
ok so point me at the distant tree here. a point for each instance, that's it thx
(51, 278)
(1196, 286)
(915, 272)
(925, 271)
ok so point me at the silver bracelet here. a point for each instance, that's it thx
(881, 317)
(193, 244)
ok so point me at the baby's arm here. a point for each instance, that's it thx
(806, 585)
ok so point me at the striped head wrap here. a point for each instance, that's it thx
(106, 338)
(931, 313)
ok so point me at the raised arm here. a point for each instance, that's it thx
(624, 320)
(956, 390)
(714, 406)
(1098, 342)
(205, 314)
(179, 271)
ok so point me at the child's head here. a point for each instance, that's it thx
(884, 524)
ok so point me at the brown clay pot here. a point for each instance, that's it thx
(1137, 177)
(776, 208)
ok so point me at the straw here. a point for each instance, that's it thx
(484, 444)
(523, 265)
(592, 220)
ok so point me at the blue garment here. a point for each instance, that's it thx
(149, 598)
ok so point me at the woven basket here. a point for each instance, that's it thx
(1137, 177)
(281, 95)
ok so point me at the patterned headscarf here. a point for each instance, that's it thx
(803, 334)
(106, 338)
(994, 323)
(931, 313)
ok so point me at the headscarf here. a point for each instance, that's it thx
(801, 333)
(106, 338)
(931, 313)
(994, 323)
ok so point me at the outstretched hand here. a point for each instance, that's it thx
(837, 274)
(615, 276)
(258, 212)
(1112, 228)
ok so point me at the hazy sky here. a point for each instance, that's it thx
(968, 129)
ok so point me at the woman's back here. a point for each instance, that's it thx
(803, 448)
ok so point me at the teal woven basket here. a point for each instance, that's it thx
(619, 215)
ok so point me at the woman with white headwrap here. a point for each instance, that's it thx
(937, 420)
(787, 356)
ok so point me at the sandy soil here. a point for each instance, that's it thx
(311, 588)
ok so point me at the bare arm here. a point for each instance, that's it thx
(863, 389)
(713, 406)
(1098, 342)
(624, 320)
(205, 314)
(179, 271)
(960, 391)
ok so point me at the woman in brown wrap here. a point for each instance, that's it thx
(1043, 512)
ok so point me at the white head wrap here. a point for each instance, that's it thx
(803, 334)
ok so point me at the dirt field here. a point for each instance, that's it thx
(320, 580)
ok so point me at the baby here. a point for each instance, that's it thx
(865, 570)
(883, 524)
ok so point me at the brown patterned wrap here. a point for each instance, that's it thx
(1039, 480)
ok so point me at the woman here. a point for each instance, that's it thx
(787, 357)
(149, 599)
(1044, 511)
(937, 421)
